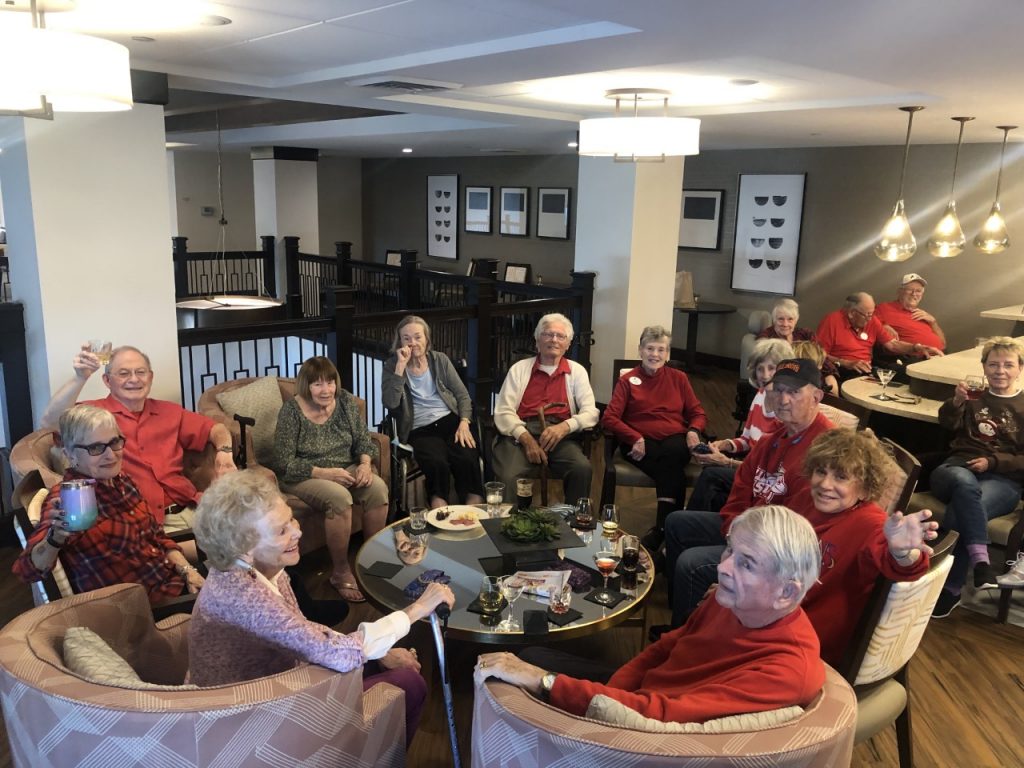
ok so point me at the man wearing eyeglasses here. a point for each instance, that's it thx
(157, 432)
(544, 400)
(849, 335)
(909, 322)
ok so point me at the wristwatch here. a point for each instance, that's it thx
(547, 682)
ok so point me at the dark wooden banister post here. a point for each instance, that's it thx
(486, 268)
(343, 253)
(179, 250)
(293, 282)
(481, 295)
(583, 286)
(408, 285)
(341, 304)
(269, 248)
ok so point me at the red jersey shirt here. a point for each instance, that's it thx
(838, 339)
(895, 315)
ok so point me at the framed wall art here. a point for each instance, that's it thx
(769, 211)
(478, 209)
(553, 212)
(514, 211)
(443, 216)
(393, 258)
(700, 222)
(517, 273)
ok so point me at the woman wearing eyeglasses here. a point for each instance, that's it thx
(126, 544)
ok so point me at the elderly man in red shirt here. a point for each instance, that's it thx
(909, 322)
(848, 336)
(749, 649)
(157, 432)
(561, 389)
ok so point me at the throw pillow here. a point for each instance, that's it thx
(88, 655)
(262, 401)
(608, 710)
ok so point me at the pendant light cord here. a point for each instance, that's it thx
(906, 150)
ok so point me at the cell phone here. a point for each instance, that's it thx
(701, 448)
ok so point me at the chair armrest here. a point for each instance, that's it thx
(182, 604)
(383, 461)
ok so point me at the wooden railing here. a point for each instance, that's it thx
(202, 273)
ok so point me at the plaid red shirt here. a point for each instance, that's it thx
(126, 544)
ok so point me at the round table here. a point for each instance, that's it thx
(863, 391)
(692, 322)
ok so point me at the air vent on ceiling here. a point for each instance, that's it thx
(404, 86)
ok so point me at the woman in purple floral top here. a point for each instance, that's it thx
(247, 624)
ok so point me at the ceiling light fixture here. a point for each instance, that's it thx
(632, 138)
(948, 238)
(59, 71)
(993, 237)
(897, 242)
(407, 150)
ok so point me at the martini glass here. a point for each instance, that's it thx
(607, 560)
(885, 376)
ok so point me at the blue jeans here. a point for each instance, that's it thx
(971, 501)
(693, 549)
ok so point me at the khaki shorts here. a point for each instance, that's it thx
(180, 521)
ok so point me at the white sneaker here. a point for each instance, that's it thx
(1015, 576)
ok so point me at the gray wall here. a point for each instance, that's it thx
(395, 200)
(849, 193)
(340, 189)
(195, 185)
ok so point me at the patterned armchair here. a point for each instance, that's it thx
(306, 716)
(512, 729)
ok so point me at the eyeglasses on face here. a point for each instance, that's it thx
(554, 335)
(862, 313)
(124, 374)
(98, 449)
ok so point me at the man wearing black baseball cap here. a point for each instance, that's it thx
(770, 474)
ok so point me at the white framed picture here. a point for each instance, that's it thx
(769, 212)
(443, 216)
(700, 220)
(553, 212)
(515, 203)
(478, 209)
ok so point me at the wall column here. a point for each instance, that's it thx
(627, 230)
(86, 206)
(286, 200)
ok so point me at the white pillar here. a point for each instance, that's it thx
(627, 230)
(286, 200)
(86, 204)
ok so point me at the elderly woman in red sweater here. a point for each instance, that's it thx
(657, 420)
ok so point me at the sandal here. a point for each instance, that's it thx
(353, 594)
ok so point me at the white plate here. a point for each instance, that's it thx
(457, 511)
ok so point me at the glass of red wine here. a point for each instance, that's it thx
(630, 560)
(606, 560)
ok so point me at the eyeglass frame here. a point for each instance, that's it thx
(553, 335)
(125, 373)
(98, 449)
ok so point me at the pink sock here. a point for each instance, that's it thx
(978, 553)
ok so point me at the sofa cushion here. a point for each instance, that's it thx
(88, 655)
(608, 710)
(262, 401)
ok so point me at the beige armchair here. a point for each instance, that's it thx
(511, 727)
(306, 716)
(256, 398)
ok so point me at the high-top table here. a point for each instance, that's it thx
(693, 314)
(1014, 312)
(864, 389)
(936, 377)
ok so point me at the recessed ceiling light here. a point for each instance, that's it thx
(215, 21)
(574, 144)
(742, 81)
(407, 150)
(143, 39)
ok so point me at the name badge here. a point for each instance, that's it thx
(863, 336)
(635, 380)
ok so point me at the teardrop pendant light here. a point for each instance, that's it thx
(897, 243)
(993, 237)
(948, 239)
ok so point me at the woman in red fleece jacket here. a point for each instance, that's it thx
(657, 420)
(859, 541)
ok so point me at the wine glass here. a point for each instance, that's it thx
(885, 376)
(606, 560)
(584, 513)
(490, 594)
(511, 589)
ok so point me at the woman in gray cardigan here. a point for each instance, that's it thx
(433, 411)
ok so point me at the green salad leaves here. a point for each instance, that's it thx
(530, 525)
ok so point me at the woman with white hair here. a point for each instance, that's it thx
(785, 315)
(657, 420)
(125, 545)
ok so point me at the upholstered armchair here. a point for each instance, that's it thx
(54, 717)
(512, 728)
(260, 398)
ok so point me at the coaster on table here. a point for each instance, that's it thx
(619, 597)
(383, 570)
(535, 622)
(410, 532)
(474, 607)
(561, 619)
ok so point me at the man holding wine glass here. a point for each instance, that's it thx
(750, 649)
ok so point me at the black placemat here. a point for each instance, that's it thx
(561, 619)
(566, 539)
(535, 622)
(492, 566)
(474, 607)
(383, 570)
(619, 597)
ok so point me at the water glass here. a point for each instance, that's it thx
(490, 595)
(561, 599)
(494, 494)
(418, 519)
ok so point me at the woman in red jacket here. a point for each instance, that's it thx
(657, 420)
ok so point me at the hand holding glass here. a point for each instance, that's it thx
(975, 387)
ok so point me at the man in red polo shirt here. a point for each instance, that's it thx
(157, 432)
(849, 334)
(562, 388)
(911, 323)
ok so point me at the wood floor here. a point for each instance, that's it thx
(967, 679)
